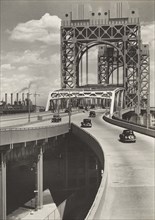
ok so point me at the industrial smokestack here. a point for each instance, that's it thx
(27, 99)
(23, 101)
(17, 98)
(6, 98)
(23, 97)
(11, 98)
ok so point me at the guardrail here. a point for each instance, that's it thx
(19, 135)
(128, 125)
(96, 147)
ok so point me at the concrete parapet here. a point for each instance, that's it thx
(100, 198)
(90, 141)
(19, 135)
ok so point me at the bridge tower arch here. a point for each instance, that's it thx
(122, 32)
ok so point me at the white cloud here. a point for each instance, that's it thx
(147, 32)
(27, 57)
(7, 66)
(55, 59)
(46, 30)
(23, 68)
(148, 37)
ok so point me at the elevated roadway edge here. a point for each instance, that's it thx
(127, 189)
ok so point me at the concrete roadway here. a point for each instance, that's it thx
(14, 120)
(21, 120)
(131, 191)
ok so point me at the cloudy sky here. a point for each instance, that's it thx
(30, 42)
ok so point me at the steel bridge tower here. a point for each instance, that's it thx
(121, 52)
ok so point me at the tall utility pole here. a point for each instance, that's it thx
(35, 96)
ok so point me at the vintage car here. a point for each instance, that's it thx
(67, 110)
(56, 118)
(86, 123)
(127, 136)
(92, 106)
(92, 114)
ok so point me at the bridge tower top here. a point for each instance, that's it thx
(82, 14)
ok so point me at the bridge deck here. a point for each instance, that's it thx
(130, 192)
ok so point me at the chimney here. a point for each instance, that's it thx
(23, 101)
(27, 102)
(11, 98)
(6, 98)
(17, 98)
(22, 97)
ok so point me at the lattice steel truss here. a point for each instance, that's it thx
(109, 60)
(145, 77)
(122, 34)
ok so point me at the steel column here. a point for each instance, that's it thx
(81, 72)
(2, 186)
(112, 104)
(39, 180)
(87, 66)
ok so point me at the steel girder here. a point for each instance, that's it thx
(145, 77)
(108, 62)
(123, 35)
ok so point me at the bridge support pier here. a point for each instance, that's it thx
(39, 180)
(2, 186)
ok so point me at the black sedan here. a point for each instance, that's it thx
(92, 114)
(56, 118)
(127, 136)
(86, 123)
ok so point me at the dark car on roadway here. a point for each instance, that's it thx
(92, 114)
(92, 106)
(67, 110)
(127, 136)
(56, 118)
(86, 123)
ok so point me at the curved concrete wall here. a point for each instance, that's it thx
(90, 141)
(124, 124)
(96, 147)
(11, 136)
